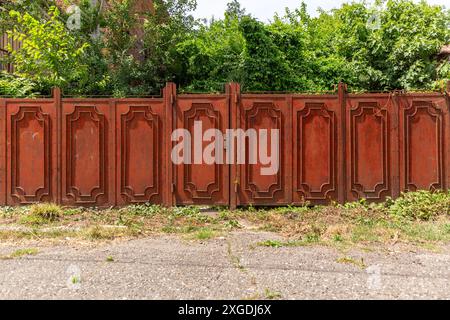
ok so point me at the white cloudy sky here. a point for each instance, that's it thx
(264, 9)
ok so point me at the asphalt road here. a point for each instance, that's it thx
(226, 268)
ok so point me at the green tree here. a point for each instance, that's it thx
(265, 65)
(164, 29)
(49, 55)
(235, 10)
(212, 55)
(391, 47)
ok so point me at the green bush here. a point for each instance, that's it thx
(422, 205)
(17, 87)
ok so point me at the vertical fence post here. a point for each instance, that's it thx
(287, 150)
(3, 153)
(234, 92)
(394, 111)
(447, 136)
(342, 145)
(57, 100)
(114, 188)
(169, 96)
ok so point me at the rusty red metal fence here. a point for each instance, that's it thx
(115, 152)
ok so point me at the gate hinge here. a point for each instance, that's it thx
(173, 187)
(236, 98)
(172, 100)
(236, 185)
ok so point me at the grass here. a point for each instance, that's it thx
(234, 259)
(418, 218)
(104, 233)
(42, 213)
(281, 244)
(268, 294)
(271, 295)
(24, 252)
(352, 261)
(21, 253)
(204, 234)
(75, 279)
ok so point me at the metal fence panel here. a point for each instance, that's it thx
(115, 152)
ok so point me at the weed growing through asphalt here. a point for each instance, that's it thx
(349, 260)
(24, 252)
(75, 279)
(234, 259)
(271, 295)
(21, 253)
(281, 244)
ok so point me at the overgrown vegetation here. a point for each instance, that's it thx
(389, 45)
(16, 86)
(419, 218)
(420, 205)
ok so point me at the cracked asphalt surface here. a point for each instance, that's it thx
(234, 267)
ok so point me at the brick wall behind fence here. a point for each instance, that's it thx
(115, 152)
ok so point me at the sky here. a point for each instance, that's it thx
(264, 9)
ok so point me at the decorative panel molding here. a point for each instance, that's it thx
(316, 145)
(263, 115)
(30, 155)
(424, 136)
(369, 145)
(202, 181)
(86, 163)
(140, 155)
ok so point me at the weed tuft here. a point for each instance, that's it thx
(271, 295)
(349, 260)
(103, 233)
(42, 213)
(205, 234)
